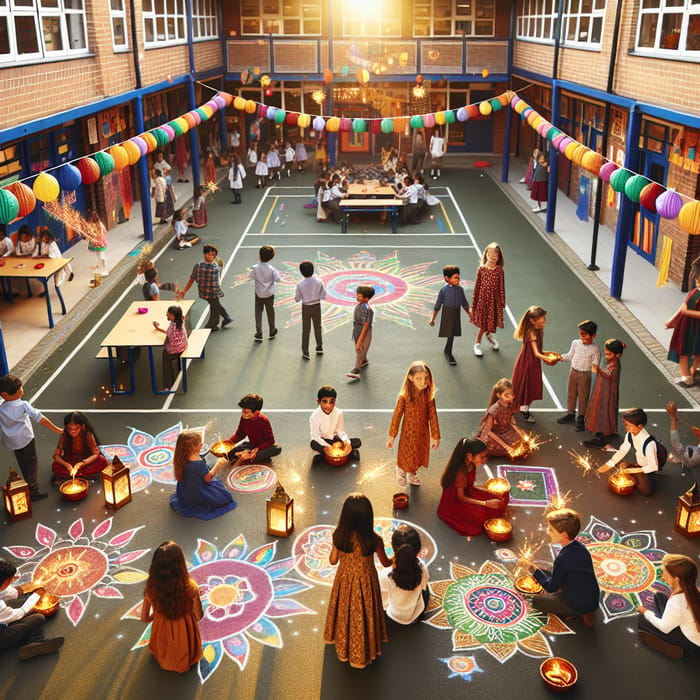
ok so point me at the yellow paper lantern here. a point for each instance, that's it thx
(521, 106)
(239, 103)
(251, 107)
(132, 151)
(304, 121)
(689, 217)
(440, 118)
(592, 162)
(207, 110)
(363, 76)
(484, 72)
(536, 122)
(265, 80)
(333, 124)
(570, 148)
(485, 108)
(578, 154)
(46, 187)
(120, 156)
(151, 142)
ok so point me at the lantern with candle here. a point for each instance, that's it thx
(280, 513)
(17, 499)
(498, 487)
(116, 484)
(688, 515)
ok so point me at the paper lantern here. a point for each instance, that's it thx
(552, 133)
(485, 108)
(416, 122)
(328, 76)
(504, 98)
(105, 162)
(558, 139)
(579, 152)
(450, 117)
(333, 124)
(69, 177)
(191, 121)
(359, 126)
(204, 113)
(634, 187)
(689, 217)
(440, 118)
(150, 141)
(619, 178)
(304, 121)
(473, 112)
(89, 170)
(521, 106)
(119, 156)
(606, 171)
(400, 125)
(132, 151)
(429, 121)
(649, 194)
(222, 102)
(345, 124)
(564, 143)
(387, 125)
(363, 76)
(25, 198)
(196, 116)
(262, 111)
(592, 162)
(251, 107)
(46, 187)
(495, 104)
(161, 137)
(375, 126)
(462, 114)
(669, 204)
(292, 118)
(177, 128)
(531, 116)
(239, 103)
(319, 123)
(543, 127)
(570, 148)
(9, 206)
(168, 130)
(270, 113)
(183, 123)
(514, 101)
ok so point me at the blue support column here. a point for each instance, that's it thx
(625, 219)
(506, 146)
(194, 139)
(144, 175)
(553, 159)
(4, 367)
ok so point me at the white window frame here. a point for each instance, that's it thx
(266, 22)
(536, 20)
(575, 17)
(38, 11)
(456, 18)
(689, 12)
(205, 20)
(116, 15)
(167, 15)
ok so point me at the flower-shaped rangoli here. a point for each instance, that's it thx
(483, 610)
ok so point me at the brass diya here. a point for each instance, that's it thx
(497, 487)
(74, 489)
(621, 484)
(48, 604)
(551, 358)
(498, 529)
(400, 500)
(221, 448)
(558, 674)
(337, 454)
(528, 585)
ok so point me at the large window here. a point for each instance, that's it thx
(38, 29)
(454, 17)
(537, 19)
(365, 18)
(288, 17)
(583, 23)
(164, 22)
(118, 19)
(204, 19)
(669, 27)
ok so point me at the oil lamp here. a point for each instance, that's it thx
(498, 487)
(621, 483)
(116, 484)
(688, 516)
(280, 513)
(558, 674)
(17, 499)
(498, 529)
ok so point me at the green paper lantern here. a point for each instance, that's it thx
(552, 133)
(9, 207)
(619, 178)
(105, 162)
(161, 137)
(387, 126)
(634, 187)
(359, 126)
(176, 127)
(495, 104)
(202, 114)
(416, 122)
(280, 116)
(450, 117)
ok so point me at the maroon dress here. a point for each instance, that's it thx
(488, 299)
(467, 518)
(503, 426)
(527, 372)
(81, 447)
(601, 414)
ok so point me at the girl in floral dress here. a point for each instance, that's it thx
(489, 297)
(498, 428)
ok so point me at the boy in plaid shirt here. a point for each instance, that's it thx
(207, 275)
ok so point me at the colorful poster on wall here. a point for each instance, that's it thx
(584, 198)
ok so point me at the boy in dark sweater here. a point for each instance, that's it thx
(254, 432)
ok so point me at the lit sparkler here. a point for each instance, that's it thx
(529, 443)
(559, 501)
(384, 468)
(583, 462)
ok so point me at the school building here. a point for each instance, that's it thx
(79, 76)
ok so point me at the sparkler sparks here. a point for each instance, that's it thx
(560, 500)
(583, 462)
(530, 443)
(384, 468)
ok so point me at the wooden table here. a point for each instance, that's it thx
(370, 189)
(135, 330)
(347, 206)
(25, 268)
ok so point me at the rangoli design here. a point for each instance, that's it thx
(313, 547)
(628, 567)
(483, 610)
(80, 565)
(244, 593)
(529, 486)
(251, 478)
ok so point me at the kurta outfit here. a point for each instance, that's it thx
(197, 498)
(81, 447)
(601, 415)
(355, 619)
(503, 426)
(420, 425)
(467, 518)
(177, 644)
(451, 299)
(489, 298)
(686, 335)
(527, 372)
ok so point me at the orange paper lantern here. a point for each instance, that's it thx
(120, 157)
(251, 107)
(150, 140)
(327, 76)
(132, 152)
(192, 122)
(46, 187)
(25, 197)
(333, 124)
(239, 103)
(579, 152)
(689, 218)
(592, 162)
(570, 148)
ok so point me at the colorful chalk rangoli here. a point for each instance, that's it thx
(244, 595)
(251, 478)
(313, 547)
(483, 610)
(462, 666)
(529, 486)
(628, 567)
(149, 458)
(400, 291)
(79, 565)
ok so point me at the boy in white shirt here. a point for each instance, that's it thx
(326, 423)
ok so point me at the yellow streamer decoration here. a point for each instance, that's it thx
(664, 262)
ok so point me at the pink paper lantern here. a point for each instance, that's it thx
(607, 170)
(429, 120)
(564, 143)
(557, 140)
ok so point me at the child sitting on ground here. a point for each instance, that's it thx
(182, 238)
(326, 423)
(254, 433)
(498, 428)
(77, 452)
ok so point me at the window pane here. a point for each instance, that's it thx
(4, 37)
(76, 32)
(25, 31)
(647, 33)
(51, 27)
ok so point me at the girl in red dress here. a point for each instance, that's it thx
(601, 415)
(464, 507)
(489, 298)
(77, 452)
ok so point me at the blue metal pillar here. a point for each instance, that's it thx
(144, 175)
(4, 367)
(625, 219)
(553, 159)
(506, 146)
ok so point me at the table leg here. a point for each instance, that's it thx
(154, 382)
(48, 302)
(394, 218)
(60, 297)
(344, 223)
(112, 373)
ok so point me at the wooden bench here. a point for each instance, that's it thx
(347, 206)
(196, 344)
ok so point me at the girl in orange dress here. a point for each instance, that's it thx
(420, 430)
(171, 602)
(355, 619)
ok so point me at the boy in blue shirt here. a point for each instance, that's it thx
(451, 299)
(310, 291)
(266, 278)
